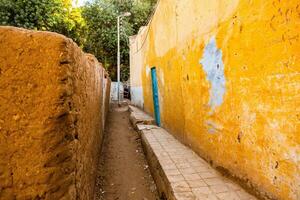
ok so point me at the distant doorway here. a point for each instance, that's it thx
(155, 95)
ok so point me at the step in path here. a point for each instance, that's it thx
(180, 174)
(137, 116)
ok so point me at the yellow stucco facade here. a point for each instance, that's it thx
(229, 85)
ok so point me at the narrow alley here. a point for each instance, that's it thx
(208, 99)
(123, 172)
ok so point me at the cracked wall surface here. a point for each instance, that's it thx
(246, 122)
(51, 116)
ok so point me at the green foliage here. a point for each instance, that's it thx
(30, 14)
(51, 15)
(93, 26)
(101, 20)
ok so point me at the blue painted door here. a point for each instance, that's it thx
(155, 95)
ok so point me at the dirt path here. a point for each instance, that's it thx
(123, 172)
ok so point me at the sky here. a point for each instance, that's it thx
(77, 3)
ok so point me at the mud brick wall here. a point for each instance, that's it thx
(51, 119)
(105, 87)
(106, 99)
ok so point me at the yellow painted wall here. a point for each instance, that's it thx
(255, 131)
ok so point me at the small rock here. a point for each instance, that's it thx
(152, 188)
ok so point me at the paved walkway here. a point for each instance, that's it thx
(181, 173)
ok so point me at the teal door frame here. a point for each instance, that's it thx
(155, 95)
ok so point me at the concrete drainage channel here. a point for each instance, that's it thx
(179, 173)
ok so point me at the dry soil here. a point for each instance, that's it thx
(123, 172)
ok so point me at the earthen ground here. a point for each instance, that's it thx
(123, 172)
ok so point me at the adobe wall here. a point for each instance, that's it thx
(51, 117)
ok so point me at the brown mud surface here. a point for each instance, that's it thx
(123, 172)
(51, 116)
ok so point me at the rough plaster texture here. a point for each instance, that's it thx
(106, 96)
(256, 126)
(137, 96)
(50, 117)
(136, 63)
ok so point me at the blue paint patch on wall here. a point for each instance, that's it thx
(214, 68)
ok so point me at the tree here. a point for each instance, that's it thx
(93, 26)
(101, 20)
(50, 15)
